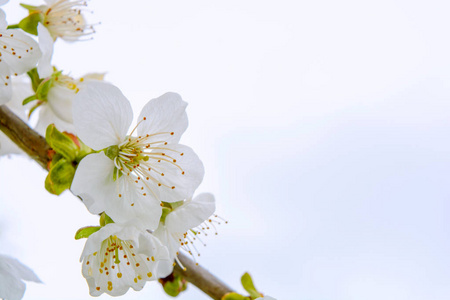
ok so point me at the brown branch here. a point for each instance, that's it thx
(202, 278)
(37, 148)
(23, 136)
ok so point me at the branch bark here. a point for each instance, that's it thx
(37, 148)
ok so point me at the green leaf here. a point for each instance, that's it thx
(30, 23)
(248, 285)
(85, 232)
(29, 99)
(29, 7)
(35, 80)
(61, 143)
(234, 296)
(105, 219)
(60, 177)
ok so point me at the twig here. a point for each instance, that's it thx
(23, 136)
(37, 148)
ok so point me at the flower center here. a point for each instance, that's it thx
(114, 257)
(147, 162)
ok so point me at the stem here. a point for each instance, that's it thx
(37, 148)
(13, 26)
(23, 136)
(202, 278)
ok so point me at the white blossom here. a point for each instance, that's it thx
(139, 171)
(116, 258)
(18, 54)
(177, 229)
(12, 275)
(64, 19)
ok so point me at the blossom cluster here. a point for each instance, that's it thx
(141, 180)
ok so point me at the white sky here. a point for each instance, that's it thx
(323, 126)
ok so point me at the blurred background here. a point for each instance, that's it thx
(323, 127)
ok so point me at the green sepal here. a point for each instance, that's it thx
(84, 150)
(13, 26)
(85, 232)
(29, 7)
(30, 23)
(112, 151)
(61, 143)
(35, 80)
(29, 99)
(34, 108)
(173, 285)
(44, 88)
(248, 285)
(234, 296)
(105, 219)
(165, 212)
(176, 204)
(59, 177)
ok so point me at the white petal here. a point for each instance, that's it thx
(132, 206)
(20, 51)
(5, 83)
(44, 67)
(47, 116)
(166, 113)
(7, 146)
(60, 99)
(101, 115)
(191, 214)
(185, 184)
(93, 242)
(3, 23)
(170, 240)
(18, 269)
(93, 181)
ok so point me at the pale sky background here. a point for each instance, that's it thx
(323, 126)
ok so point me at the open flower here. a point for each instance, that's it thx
(12, 274)
(64, 19)
(116, 258)
(18, 54)
(133, 173)
(175, 230)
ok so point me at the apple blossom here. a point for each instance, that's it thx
(63, 18)
(12, 274)
(18, 54)
(117, 257)
(130, 178)
(176, 230)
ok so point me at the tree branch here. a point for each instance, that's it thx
(37, 148)
(23, 136)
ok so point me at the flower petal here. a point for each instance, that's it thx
(3, 23)
(166, 113)
(20, 51)
(101, 115)
(191, 214)
(44, 67)
(178, 179)
(5, 83)
(93, 181)
(47, 116)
